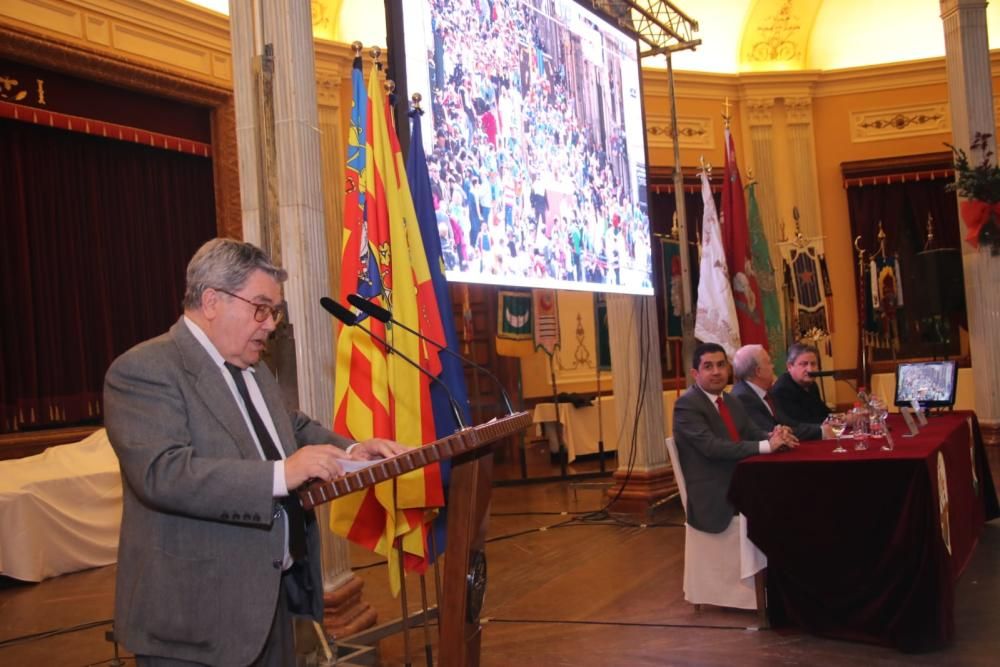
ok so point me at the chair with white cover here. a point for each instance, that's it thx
(719, 568)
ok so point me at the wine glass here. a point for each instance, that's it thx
(837, 423)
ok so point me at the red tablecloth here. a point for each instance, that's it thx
(868, 545)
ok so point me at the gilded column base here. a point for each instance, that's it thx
(344, 610)
(645, 488)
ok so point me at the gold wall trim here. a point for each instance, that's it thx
(172, 35)
(692, 131)
(894, 123)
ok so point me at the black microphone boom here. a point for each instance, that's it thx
(836, 375)
(338, 311)
(383, 315)
(348, 318)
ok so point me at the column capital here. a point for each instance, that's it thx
(760, 110)
(328, 82)
(799, 110)
(949, 6)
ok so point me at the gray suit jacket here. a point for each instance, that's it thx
(708, 455)
(762, 417)
(199, 558)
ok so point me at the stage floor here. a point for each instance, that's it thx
(586, 593)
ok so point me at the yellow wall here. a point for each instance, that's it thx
(192, 42)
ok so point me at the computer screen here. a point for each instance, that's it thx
(536, 142)
(930, 383)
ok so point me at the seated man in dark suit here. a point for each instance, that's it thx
(713, 432)
(754, 373)
(795, 393)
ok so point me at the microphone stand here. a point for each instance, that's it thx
(384, 315)
(348, 318)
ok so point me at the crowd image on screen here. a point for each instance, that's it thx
(531, 178)
(926, 382)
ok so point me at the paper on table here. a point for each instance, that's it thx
(354, 465)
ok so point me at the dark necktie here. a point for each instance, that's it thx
(296, 517)
(770, 404)
(727, 419)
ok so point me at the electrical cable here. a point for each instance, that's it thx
(52, 633)
(643, 323)
(591, 519)
(626, 624)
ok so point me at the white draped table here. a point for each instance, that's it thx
(60, 510)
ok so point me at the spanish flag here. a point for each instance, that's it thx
(379, 395)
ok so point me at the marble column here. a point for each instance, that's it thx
(300, 238)
(644, 475)
(970, 97)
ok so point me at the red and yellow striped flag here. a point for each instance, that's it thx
(379, 395)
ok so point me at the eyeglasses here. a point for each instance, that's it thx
(262, 310)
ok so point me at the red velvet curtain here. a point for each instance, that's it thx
(902, 208)
(94, 239)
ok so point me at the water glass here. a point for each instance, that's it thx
(837, 423)
(860, 435)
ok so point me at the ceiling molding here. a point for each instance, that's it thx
(776, 35)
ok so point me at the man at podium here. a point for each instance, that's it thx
(215, 552)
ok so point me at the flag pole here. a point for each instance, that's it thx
(687, 317)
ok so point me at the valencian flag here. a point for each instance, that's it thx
(379, 395)
(715, 318)
(736, 241)
(762, 266)
(452, 374)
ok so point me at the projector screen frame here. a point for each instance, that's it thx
(397, 71)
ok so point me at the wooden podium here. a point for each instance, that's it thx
(464, 586)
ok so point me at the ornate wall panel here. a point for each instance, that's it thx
(897, 122)
(692, 132)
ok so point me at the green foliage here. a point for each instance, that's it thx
(981, 181)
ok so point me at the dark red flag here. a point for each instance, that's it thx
(736, 241)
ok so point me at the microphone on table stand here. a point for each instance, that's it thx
(844, 376)
(351, 320)
(383, 315)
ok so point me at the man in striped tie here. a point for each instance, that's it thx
(713, 433)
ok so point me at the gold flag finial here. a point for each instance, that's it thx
(416, 98)
(358, 48)
(376, 53)
(725, 112)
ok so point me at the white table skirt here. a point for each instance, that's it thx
(60, 510)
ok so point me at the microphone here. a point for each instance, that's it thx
(383, 315)
(350, 319)
(836, 375)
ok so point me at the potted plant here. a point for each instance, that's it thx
(979, 184)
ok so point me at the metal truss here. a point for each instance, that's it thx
(658, 24)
